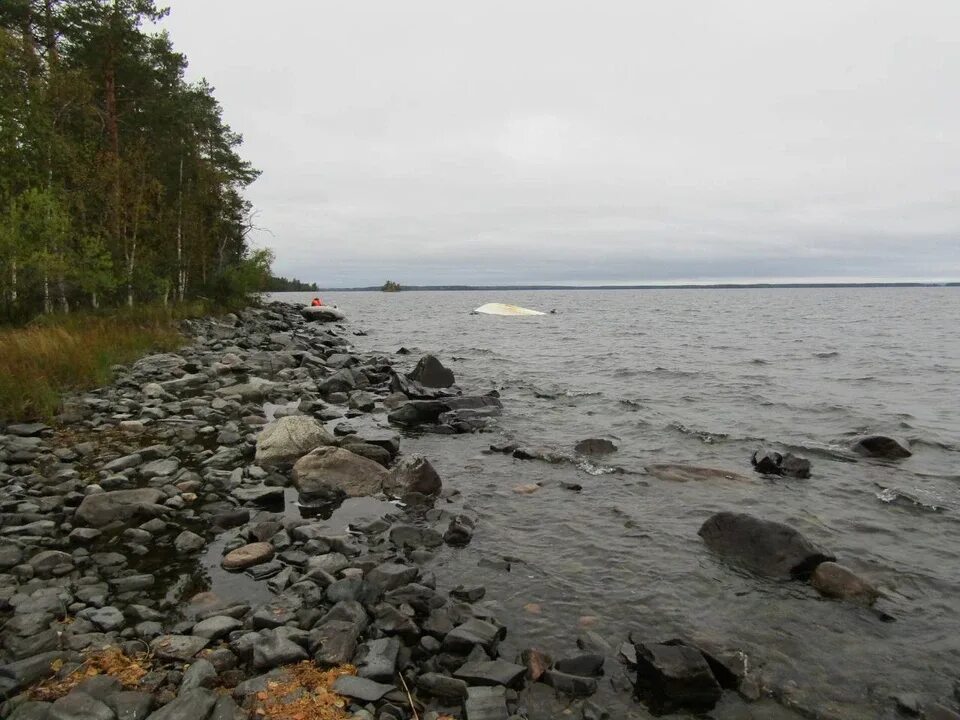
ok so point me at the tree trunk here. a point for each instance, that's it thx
(62, 288)
(47, 308)
(13, 280)
(181, 274)
(94, 301)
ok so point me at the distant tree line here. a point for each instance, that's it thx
(120, 182)
(282, 284)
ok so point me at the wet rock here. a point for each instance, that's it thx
(431, 373)
(288, 439)
(771, 462)
(881, 446)
(468, 594)
(835, 581)
(572, 685)
(486, 703)
(763, 546)
(389, 576)
(79, 706)
(410, 536)
(248, 556)
(360, 688)
(262, 495)
(908, 704)
(491, 672)
(689, 473)
(595, 447)
(370, 452)
(194, 704)
(106, 618)
(464, 637)
(537, 662)
(442, 686)
(332, 472)
(459, 532)
(32, 669)
(413, 474)
(188, 542)
(587, 665)
(378, 659)
(177, 647)
(674, 677)
(104, 508)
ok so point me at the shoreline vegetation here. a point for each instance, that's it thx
(59, 354)
(120, 182)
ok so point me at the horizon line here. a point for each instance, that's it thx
(681, 286)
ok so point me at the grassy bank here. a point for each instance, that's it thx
(57, 354)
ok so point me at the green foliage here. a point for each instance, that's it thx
(282, 284)
(119, 180)
(391, 286)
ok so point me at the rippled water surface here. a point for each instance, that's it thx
(706, 377)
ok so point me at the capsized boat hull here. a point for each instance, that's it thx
(503, 309)
(321, 313)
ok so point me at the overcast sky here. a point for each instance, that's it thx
(551, 141)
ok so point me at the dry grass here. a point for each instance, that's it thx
(109, 661)
(64, 353)
(306, 695)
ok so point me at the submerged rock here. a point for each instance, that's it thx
(413, 474)
(881, 446)
(766, 547)
(595, 446)
(835, 581)
(104, 508)
(689, 473)
(331, 472)
(248, 556)
(771, 462)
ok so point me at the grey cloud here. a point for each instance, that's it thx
(437, 142)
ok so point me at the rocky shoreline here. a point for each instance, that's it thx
(235, 531)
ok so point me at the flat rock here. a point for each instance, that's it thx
(104, 508)
(689, 473)
(79, 706)
(178, 647)
(248, 556)
(360, 688)
(330, 472)
(216, 627)
(491, 672)
(486, 703)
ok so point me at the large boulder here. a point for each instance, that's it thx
(766, 547)
(102, 509)
(329, 472)
(290, 438)
(881, 446)
(675, 676)
(771, 462)
(413, 474)
(431, 373)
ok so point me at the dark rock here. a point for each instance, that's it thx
(491, 672)
(274, 650)
(194, 704)
(231, 518)
(473, 632)
(79, 706)
(30, 670)
(410, 536)
(486, 703)
(442, 686)
(586, 665)
(378, 659)
(763, 546)
(908, 704)
(130, 704)
(459, 532)
(771, 462)
(595, 446)
(334, 642)
(216, 627)
(673, 677)
(177, 647)
(188, 542)
(101, 509)
(537, 663)
(940, 712)
(413, 474)
(30, 710)
(880, 446)
(360, 688)
(468, 594)
(201, 673)
(431, 373)
(572, 685)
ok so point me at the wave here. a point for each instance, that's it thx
(825, 355)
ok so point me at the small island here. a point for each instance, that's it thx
(391, 286)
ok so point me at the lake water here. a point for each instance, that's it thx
(706, 377)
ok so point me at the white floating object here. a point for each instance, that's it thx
(321, 313)
(501, 309)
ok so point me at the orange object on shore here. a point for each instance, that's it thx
(317, 302)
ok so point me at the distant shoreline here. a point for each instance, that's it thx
(717, 286)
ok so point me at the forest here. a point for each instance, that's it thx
(120, 182)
